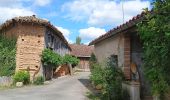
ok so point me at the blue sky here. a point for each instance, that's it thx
(85, 18)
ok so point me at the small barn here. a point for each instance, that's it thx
(33, 36)
(83, 53)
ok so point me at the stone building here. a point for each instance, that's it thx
(83, 53)
(124, 42)
(33, 36)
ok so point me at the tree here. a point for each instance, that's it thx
(92, 60)
(155, 34)
(78, 40)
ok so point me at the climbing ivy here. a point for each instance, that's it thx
(155, 34)
(68, 59)
(7, 55)
(51, 58)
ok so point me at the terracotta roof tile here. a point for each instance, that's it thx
(81, 50)
(132, 22)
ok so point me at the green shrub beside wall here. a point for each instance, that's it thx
(22, 76)
(97, 74)
(39, 80)
(110, 77)
(154, 32)
(7, 55)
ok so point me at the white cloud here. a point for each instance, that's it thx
(86, 43)
(103, 12)
(13, 8)
(42, 2)
(91, 33)
(8, 13)
(65, 32)
(69, 41)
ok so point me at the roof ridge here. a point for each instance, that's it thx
(36, 20)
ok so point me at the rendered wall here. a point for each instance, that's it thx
(110, 46)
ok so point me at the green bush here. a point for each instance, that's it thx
(49, 57)
(22, 76)
(97, 74)
(39, 80)
(110, 77)
(7, 55)
(68, 59)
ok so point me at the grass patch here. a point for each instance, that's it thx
(92, 96)
(7, 87)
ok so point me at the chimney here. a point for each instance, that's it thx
(33, 15)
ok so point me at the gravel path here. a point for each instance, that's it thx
(65, 88)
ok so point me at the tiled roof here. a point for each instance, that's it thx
(132, 22)
(81, 50)
(34, 20)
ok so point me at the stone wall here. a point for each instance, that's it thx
(133, 89)
(5, 81)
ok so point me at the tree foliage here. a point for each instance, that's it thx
(7, 55)
(92, 60)
(78, 40)
(155, 34)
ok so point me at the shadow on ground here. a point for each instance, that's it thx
(93, 93)
(86, 83)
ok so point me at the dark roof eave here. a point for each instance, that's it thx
(61, 36)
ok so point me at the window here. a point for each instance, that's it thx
(50, 40)
(114, 59)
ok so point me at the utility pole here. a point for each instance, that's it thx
(123, 18)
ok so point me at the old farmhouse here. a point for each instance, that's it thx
(83, 53)
(124, 42)
(33, 36)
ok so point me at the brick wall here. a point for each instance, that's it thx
(127, 57)
(64, 70)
